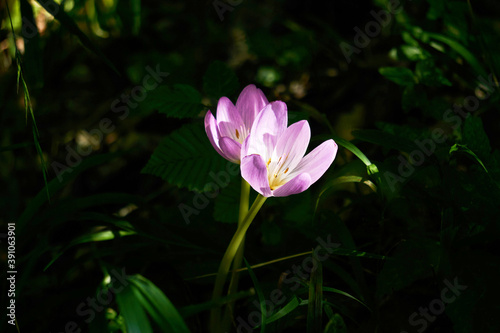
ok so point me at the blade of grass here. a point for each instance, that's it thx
(27, 104)
(159, 306)
(343, 293)
(260, 295)
(289, 307)
(135, 317)
(315, 306)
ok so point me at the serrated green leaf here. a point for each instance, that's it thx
(219, 80)
(399, 75)
(186, 158)
(177, 101)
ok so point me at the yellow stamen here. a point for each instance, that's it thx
(268, 162)
(286, 170)
(237, 134)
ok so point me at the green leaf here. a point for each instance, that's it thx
(461, 148)
(135, 317)
(343, 293)
(219, 80)
(352, 148)
(289, 307)
(399, 75)
(158, 305)
(177, 101)
(186, 158)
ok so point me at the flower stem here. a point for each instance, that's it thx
(233, 284)
(225, 264)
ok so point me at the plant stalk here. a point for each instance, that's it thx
(228, 258)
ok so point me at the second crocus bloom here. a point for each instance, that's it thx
(272, 157)
(233, 123)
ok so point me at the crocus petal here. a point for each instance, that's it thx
(268, 126)
(230, 149)
(297, 185)
(317, 161)
(254, 171)
(229, 119)
(212, 131)
(290, 149)
(249, 103)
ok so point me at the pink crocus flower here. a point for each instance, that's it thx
(272, 157)
(233, 123)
